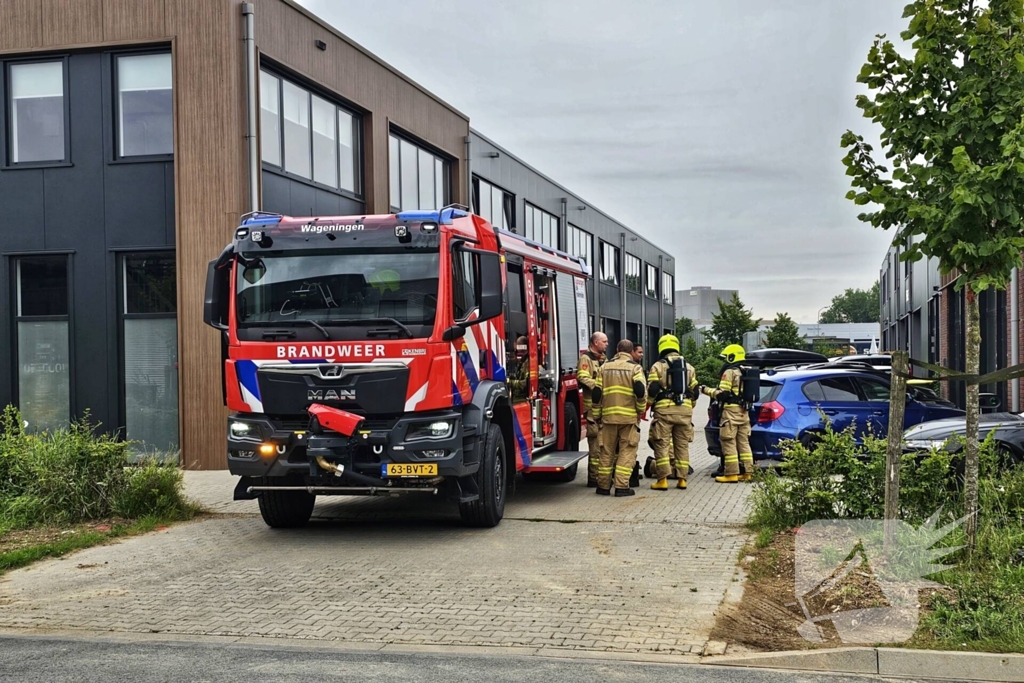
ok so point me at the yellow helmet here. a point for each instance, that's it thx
(733, 353)
(669, 342)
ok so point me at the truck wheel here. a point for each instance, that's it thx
(491, 480)
(286, 509)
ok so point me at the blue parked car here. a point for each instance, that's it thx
(792, 404)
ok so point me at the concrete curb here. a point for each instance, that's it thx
(889, 662)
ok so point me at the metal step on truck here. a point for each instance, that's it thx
(419, 353)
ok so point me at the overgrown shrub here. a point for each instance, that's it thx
(77, 474)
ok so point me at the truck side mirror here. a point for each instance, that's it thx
(491, 289)
(218, 288)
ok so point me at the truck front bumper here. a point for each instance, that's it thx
(259, 446)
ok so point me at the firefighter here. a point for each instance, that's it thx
(672, 388)
(733, 421)
(587, 371)
(620, 399)
(638, 354)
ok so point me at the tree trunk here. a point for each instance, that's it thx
(894, 451)
(973, 347)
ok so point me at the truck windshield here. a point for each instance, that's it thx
(375, 287)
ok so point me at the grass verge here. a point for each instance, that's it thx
(84, 537)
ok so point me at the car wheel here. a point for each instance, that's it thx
(492, 482)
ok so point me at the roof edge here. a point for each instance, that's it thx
(474, 131)
(326, 25)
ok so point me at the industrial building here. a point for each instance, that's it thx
(700, 304)
(136, 132)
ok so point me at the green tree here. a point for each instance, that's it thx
(952, 120)
(683, 327)
(854, 306)
(732, 321)
(784, 334)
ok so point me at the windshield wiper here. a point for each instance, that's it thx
(364, 321)
(314, 323)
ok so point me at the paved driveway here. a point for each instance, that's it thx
(565, 569)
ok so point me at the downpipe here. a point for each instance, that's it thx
(248, 13)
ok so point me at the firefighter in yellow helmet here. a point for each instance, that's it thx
(620, 399)
(733, 421)
(672, 388)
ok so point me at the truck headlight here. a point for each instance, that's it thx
(439, 429)
(244, 430)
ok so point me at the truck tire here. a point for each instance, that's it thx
(286, 509)
(492, 482)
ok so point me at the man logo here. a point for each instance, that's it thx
(332, 371)
(331, 395)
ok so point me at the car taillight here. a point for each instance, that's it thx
(770, 412)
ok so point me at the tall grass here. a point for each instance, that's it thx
(76, 475)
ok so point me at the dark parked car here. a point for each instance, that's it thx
(1007, 430)
(770, 358)
(795, 404)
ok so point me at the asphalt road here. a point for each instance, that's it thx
(28, 659)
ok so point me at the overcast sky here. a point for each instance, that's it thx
(702, 125)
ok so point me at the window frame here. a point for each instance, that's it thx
(668, 294)
(121, 257)
(13, 282)
(7, 130)
(358, 118)
(639, 272)
(647, 281)
(115, 109)
(617, 270)
(571, 232)
(556, 224)
(445, 160)
(508, 201)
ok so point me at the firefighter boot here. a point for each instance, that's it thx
(728, 479)
(603, 492)
(681, 484)
(619, 493)
(662, 484)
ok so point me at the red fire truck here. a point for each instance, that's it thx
(419, 353)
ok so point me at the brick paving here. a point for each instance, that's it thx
(565, 569)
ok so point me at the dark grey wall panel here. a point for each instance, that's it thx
(296, 198)
(93, 208)
(611, 306)
(21, 196)
(651, 313)
(634, 307)
(136, 223)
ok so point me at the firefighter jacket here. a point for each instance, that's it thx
(623, 391)
(587, 372)
(729, 389)
(658, 384)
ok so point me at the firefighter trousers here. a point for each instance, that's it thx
(671, 438)
(734, 434)
(623, 438)
(593, 449)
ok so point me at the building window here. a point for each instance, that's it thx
(667, 288)
(632, 273)
(651, 284)
(419, 178)
(41, 306)
(320, 140)
(270, 118)
(541, 226)
(609, 264)
(581, 243)
(36, 112)
(296, 130)
(144, 105)
(494, 204)
(150, 343)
